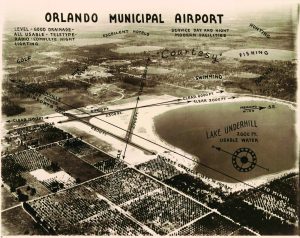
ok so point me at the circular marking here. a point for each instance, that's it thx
(244, 157)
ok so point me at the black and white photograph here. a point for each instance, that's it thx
(150, 118)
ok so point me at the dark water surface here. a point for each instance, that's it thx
(186, 129)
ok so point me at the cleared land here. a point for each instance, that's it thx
(71, 164)
(7, 200)
(18, 222)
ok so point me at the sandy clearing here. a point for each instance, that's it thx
(145, 128)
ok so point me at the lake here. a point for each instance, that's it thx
(186, 128)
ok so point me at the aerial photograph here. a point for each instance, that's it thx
(151, 119)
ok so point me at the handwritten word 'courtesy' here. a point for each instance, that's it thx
(184, 52)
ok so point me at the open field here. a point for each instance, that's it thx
(71, 164)
(17, 222)
(7, 199)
